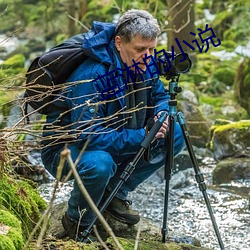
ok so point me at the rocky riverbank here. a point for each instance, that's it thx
(188, 216)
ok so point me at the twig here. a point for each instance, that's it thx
(66, 154)
(99, 238)
(77, 21)
(81, 213)
(137, 236)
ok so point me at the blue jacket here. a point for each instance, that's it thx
(103, 123)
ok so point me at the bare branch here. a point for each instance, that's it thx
(66, 154)
(79, 22)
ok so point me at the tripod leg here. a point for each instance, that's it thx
(199, 177)
(129, 169)
(168, 173)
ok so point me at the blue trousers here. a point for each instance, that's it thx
(100, 170)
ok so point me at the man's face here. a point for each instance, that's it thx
(135, 49)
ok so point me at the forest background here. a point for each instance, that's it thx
(219, 76)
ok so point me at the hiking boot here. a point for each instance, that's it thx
(75, 231)
(121, 211)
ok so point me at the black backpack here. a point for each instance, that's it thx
(47, 74)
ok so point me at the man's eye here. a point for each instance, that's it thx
(140, 50)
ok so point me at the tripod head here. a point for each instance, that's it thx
(174, 89)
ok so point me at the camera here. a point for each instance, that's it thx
(180, 63)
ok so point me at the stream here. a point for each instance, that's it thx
(187, 212)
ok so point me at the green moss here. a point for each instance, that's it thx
(16, 237)
(236, 125)
(91, 247)
(221, 122)
(212, 75)
(13, 65)
(128, 244)
(9, 219)
(14, 234)
(22, 200)
(214, 101)
(16, 61)
(224, 75)
(6, 243)
(13, 71)
(229, 45)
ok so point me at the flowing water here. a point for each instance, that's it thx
(187, 212)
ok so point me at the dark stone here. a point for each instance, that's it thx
(231, 169)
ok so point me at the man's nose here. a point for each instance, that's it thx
(146, 54)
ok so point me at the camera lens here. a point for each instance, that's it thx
(182, 66)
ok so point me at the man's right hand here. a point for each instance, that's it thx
(164, 128)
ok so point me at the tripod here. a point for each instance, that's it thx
(129, 169)
(173, 90)
(169, 163)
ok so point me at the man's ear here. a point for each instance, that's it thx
(118, 43)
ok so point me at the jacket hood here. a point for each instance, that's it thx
(98, 43)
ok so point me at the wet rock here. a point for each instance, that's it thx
(232, 139)
(181, 179)
(31, 167)
(197, 125)
(231, 169)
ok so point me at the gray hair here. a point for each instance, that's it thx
(137, 22)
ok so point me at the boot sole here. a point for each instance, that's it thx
(121, 219)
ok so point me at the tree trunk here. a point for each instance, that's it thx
(83, 7)
(181, 23)
(72, 14)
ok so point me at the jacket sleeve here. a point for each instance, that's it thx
(88, 119)
(160, 96)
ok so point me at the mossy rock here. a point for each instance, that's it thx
(128, 244)
(232, 139)
(22, 200)
(231, 169)
(10, 231)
